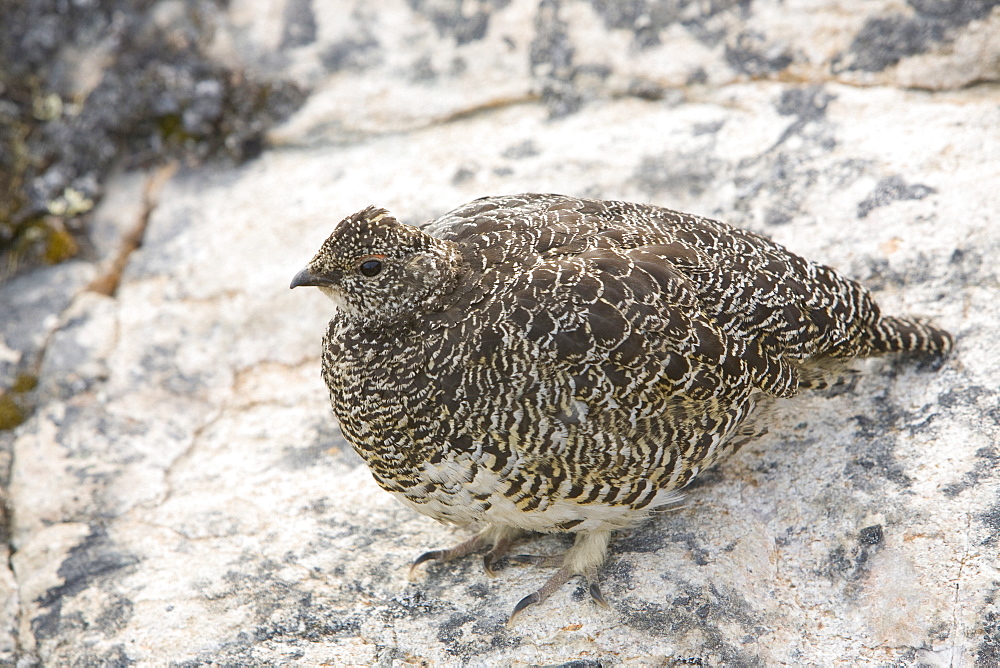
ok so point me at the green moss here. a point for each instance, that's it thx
(24, 383)
(14, 162)
(11, 414)
(171, 127)
(60, 245)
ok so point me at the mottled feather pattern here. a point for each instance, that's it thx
(547, 363)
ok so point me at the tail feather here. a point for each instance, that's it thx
(908, 335)
(821, 373)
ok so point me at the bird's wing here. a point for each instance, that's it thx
(634, 312)
(745, 282)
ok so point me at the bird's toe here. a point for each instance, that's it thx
(543, 560)
(594, 587)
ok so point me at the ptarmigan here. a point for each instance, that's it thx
(552, 364)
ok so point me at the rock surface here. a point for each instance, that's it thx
(181, 493)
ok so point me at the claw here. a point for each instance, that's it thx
(525, 558)
(500, 539)
(598, 595)
(558, 579)
(433, 555)
(428, 556)
(488, 560)
(498, 552)
(530, 599)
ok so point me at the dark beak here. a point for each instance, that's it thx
(304, 277)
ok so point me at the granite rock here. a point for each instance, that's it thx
(181, 494)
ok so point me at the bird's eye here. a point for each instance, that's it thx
(371, 267)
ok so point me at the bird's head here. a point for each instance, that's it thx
(379, 271)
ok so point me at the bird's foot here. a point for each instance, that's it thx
(497, 538)
(558, 579)
(584, 558)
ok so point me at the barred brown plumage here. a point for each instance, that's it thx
(545, 363)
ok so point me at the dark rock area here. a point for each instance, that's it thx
(87, 87)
